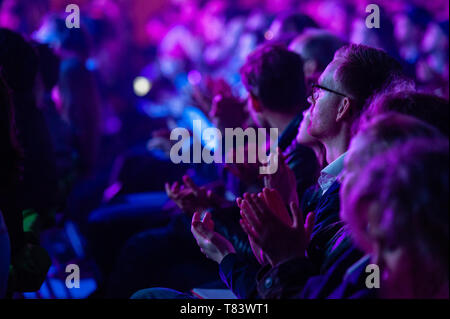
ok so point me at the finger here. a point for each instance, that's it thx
(260, 203)
(297, 216)
(256, 211)
(248, 214)
(267, 180)
(195, 224)
(168, 190)
(190, 183)
(251, 233)
(212, 197)
(201, 232)
(175, 187)
(208, 221)
(201, 192)
(248, 229)
(277, 205)
(271, 200)
(239, 201)
(196, 218)
(309, 225)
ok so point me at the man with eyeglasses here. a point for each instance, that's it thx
(336, 102)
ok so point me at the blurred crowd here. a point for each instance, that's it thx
(86, 116)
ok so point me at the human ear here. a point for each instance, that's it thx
(344, 109)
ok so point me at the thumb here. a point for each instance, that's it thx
(190, 183)
(297, 216)
(197, 226)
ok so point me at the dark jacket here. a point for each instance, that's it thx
(289, 278)
(341, 276)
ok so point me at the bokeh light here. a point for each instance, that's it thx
(141, 86)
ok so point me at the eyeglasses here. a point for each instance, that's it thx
(315, 92)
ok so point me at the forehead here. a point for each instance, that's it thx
(327, 77)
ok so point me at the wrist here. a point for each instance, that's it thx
(223, 255)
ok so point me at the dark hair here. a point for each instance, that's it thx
(429, 108)
(19, 61)
(318, 45)
(11, 158)
(419, 16)
(81, 100)
(293, 24)
(382, 132)
(75, 40)
(384, 35)
(48, 65)
(365, 71)
(274, 75)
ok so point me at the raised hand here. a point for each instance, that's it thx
(190, 198)
(228, 111)
(271, 230)
(211, 243)
(283, 180)
(257, 251)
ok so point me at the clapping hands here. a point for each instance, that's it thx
(272, 230)
(283, 180)
(211, 243)
(190, 198)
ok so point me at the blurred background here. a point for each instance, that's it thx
(111, 91)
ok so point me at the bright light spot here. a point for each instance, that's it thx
(268, 35)
(194, 77)
(141, 86)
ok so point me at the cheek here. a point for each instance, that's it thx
(392, 261)
(321, 114)
(302, 134)
(396, 274)
(314, 115)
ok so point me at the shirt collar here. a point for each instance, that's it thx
(331, 173)
(335, 167)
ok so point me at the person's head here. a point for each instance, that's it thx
(429, 108)
(65, 41)
(317, 48)
(381, 38)
(21, 15)
(19, 62)
(375, 136)
(432, 65)
(76, 90)
(289, 25)
(355, 74)
(273, 77)
(48, 73)
(397, 211)
(78, 100)
(409, 25)
(435, 38)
